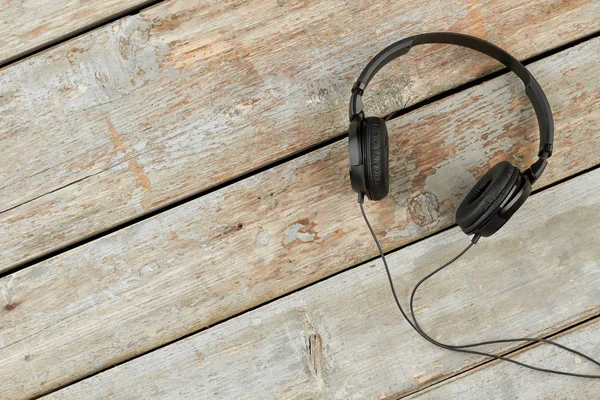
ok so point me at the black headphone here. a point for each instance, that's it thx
(499, 193)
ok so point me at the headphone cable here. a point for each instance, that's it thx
(462, 348)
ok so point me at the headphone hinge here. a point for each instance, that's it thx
(358, 116)
(533, 173)
(356, 105)
(358, 88)
(545, 150)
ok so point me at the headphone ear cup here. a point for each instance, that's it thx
(486, 197)
(376, 147)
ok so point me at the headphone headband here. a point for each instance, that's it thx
(532, 88)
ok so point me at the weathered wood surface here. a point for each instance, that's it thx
(185, 96)
(279, 230)
(502, 381)
(343, 338)
(28, 25)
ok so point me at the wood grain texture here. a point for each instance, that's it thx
(27, 25)
(262, 237)
(365, 349)
(501, 381)
(187, 95)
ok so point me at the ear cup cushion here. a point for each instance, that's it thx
(376, 158)
(486, 196)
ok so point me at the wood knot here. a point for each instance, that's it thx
(423, 208)
(10, 307)
(230, 229)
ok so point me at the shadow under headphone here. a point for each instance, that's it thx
(499, 193)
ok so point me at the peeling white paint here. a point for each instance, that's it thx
(262, 239)
(293, 233)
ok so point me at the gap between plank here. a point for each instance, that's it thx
(516, 351)
(289, 157)
(78, 32)
(370, 260)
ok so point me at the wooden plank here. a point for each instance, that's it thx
(29, 25)
(343, 338)
(185, 96)
(262, 237)
(502, 381)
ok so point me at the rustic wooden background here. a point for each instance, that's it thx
(177, 219)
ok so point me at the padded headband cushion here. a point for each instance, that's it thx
(376, 161)
(486, 196)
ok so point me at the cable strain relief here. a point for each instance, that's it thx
(475, 239)
(361, 198)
